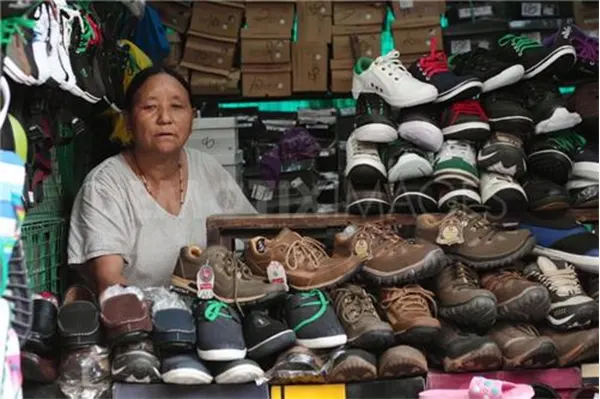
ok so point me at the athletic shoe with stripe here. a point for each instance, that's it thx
(507, 113)
(415, 196)
(456, 162)
(465, 120)
(420, 126)
(405, 161)
(363, 162)
(551, 156)
(502, 193)
(373, 120)
(570, 306)
(585, 164)
(503, 153)
(361, 200)
(449, 197)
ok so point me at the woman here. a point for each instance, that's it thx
(137, 209)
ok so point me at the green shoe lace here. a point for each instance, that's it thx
(213, 310)
(14, 25)
(568, 142)
(519, 43)
(321, 301)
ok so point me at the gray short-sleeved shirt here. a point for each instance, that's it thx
(113, 214)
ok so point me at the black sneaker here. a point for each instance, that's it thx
(465, 120)
(584, 193)
(420, 126)
(450, 196)
(405, 161)
(482, 64)
(433, 69)
(266, 336)
(83, 66)
(415, 196)
(219, 332)
(550, 156)
(136, 362)
(373, 120)
(533, 55)
(313, 319)
(503, 153)
(502, 194)
(367, 200)
(236, 372)
(571, 307)
(549, 109)
(507, 113)
(545, 195)
(585, 163)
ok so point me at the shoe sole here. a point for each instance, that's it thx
(136, 367)
(240, 374)
(417, 131)
(272, 345)
(581, 262)
(539, 357)
(411, 167)
(487, 357)
(353, 369)
(368, 206)
(403, 367)
(530, 305)
(505, 78)
(561, 119)
(221, 355)
(479, 313)
(549, 60)
(515, 124)
(466, 197)
(414, 202)
(465, 90)
(416, 336)
(373, 340)
(585, 315)
(586, 170)
(473, 131)
(376, 133)
(553, 203)
(593, 203)
(186, 376)
(525, 249)
(429, 266)
(324, 342)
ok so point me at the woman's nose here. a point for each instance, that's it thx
(164, 115)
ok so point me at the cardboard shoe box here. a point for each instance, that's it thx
(415, 39)
(586, 15)
(204, 83)
(309, 71)
(222, 19)
(314, 21)
(264, 51)
(207, 54)
(341, 75)
(415, 11)
(174, 15)
(369, 45)
(268, 80)
(359, 13)
(274, 19)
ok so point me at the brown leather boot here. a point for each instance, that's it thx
(522, 346)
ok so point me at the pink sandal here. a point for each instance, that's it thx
(482, 388)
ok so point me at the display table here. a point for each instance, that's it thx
(208, 391)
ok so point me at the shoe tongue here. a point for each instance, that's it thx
(547, 266)
(288, 236)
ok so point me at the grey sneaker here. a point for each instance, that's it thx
(184, 369)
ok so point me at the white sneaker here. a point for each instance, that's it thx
(40, 42)
(5, 95)
(406, 162)
(456, 161)
(387, 77)
(450, 197)
(363, 163)
(502, 193)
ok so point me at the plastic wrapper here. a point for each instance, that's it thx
(162, 299)
(300, 365)
(115, 290)
(85, 373)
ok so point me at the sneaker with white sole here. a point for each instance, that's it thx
(40, 42)
(363, 162)
(449, 197)
(220, 336)
(237, 372)
(420, 126)
(136, 362)
(405, 162)
(584, 193)
(585, 164)
(367, 200)
(507, 113)
(465, 120)
(551, 155)
(456, 161)
(414, 196)
(570, 306)
(373, 120)
(503, 153)
(388, 77)
(502, 193)
(184, 369)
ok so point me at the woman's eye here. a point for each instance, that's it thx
(177, 106)
(149, 106)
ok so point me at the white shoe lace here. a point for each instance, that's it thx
(561, 281)
(456, 149)
(363, 148)
(391, 65)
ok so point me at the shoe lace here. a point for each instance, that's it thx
(305, 250)
(364, 148)
(391, 64)
(471, 219)
(352, 304)
(519, 43)
(471, 107)
(216, 309)
(465, 276)
(379, 236)
(14, 25)
(410, 300)
(527, 329)
(587, 48)
(561, 281)
(570, 142)
(320, 300)
(234, 267)
(435, 62)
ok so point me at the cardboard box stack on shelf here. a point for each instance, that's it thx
(415, 23)
(176, 17)
(210, 47)
(266, 49)
(310, 53)
(356, 32)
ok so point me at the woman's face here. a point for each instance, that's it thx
(161, 118)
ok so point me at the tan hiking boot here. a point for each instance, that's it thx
(522, 346)
(402, 361)
(364, 328)
(390, 259)
(518, 299)
(469, 237)
(461, 298)
(306, 263)
(234, 281)
(574, 347)
(411, 310)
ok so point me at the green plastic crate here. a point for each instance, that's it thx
(45, 244)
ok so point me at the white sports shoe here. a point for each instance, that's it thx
(40, 42)
(363, 163)
(387, 77)
(502, 193)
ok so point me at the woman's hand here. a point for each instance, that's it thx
(107, 270)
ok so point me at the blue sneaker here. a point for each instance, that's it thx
(561, 237)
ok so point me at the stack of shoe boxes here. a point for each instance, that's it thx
(266, 49)
(585, 14)
(176, 17)
(538, 20)
(210, 46)
(415, 24)
(356, 32)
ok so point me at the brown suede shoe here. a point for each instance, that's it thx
(390, 259)
(522, 346)
(461, 298)
(186, 269)
(126, 318)
(411, 310)
(518, 298)
(470, 238)
(306, 263)
(402, 361)
(574, 347)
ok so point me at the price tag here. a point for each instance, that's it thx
(205, 280)
(531, 9)
(349, 231)
(297, 182)
(481, 11)
(484, 44)
(406, 4)
(460, 46)
(276, 273)
(549, 10)
(261, 193)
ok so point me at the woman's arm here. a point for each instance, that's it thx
(107, 270)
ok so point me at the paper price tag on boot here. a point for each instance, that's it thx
(205, 280)
(450, 233)
(276, 274)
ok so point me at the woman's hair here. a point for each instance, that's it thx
(142, 76)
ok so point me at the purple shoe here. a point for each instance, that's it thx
(586, 48)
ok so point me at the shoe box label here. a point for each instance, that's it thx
(205, 280)
(276, 273)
